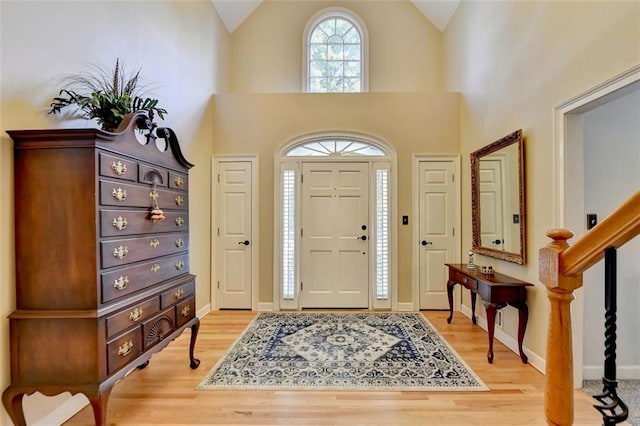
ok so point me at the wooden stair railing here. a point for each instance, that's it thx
(560, 270)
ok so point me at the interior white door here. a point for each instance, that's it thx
(235, 245)
(491, 202)
(436, 230)
(335, 230)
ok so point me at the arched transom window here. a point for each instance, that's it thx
(335, 52)
(335, 148)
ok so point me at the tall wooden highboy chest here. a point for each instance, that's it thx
(102, 258)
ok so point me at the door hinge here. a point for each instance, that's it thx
(218, 285)
(301, 285)
(301, 178)
(453, 177)
(453, 232)
(218, 231)
(301, 232)
(218, 177)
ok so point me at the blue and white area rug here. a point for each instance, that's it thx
(341, 351)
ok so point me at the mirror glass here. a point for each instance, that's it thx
(498, 200)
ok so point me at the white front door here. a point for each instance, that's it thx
(335, 235)
(235, 247)
(491, 202)
(436, 231)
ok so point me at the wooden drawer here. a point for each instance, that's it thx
(464, 280)
(130, 195)
(178, 181)
(158, 327)
(177, 294)
(131, 222)
(150, 175)
(124, 251)
(132, 315)
(118, 167)
(123, 349)
(124, 281)
(185, 311)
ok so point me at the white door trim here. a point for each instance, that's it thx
(415, 238)
(568, 185)
(294, 163)
(215, 217)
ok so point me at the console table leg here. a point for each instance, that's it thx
(450, 285)
(491, 324)
(13, 404)
(523, 318)
(194, 334)
(99, 406)
(474, 320)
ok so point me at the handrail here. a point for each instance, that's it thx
(614, 231)
(560, 270)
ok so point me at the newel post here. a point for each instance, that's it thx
(558, 401)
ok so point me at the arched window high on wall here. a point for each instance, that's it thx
(335, 50)
(346, 148)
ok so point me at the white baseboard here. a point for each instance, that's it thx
(535, 360)
(204, 310)
(265, 307)
(64, 411)
(405, 307)
(623, 372)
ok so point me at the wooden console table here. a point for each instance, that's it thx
(496, 291)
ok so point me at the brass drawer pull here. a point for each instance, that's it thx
(119, 194)
(120, 168)
(179, 182)
(154, 195)
(136, 314)
(126, 348)
(180, 265)
(121, 283)
(185, 311)
(120, 223)
(154, 243)
(155, 267)
(178, 294)
(179, 242)
(179, 221)
(120, 252)
(179, 200)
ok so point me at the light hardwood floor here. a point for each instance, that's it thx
(164, 393)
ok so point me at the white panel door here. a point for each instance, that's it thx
(335, 231)
(436, 231)
(491, 202)
(235, 246)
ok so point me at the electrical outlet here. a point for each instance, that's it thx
(499, 321)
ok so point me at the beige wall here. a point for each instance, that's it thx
(513, 62)
(43, 40)
(260, 123)
(405, 48)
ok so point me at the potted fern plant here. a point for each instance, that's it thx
(106, 96)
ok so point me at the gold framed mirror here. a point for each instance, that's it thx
(498, 199)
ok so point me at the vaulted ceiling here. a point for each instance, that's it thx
(234, 12)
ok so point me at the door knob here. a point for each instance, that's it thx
(245, 242)
(363, 238)
(424, 242)
(498, 241)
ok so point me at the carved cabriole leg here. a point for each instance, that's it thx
(450, 285)
(194, 334)
(474, 320)
(558, 403)
(99, 406)
(523, 318)
(491, 308)
(12, 401)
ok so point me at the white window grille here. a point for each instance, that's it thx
(288, 234)
(382, 234)
(335, 50)
(335, 148)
